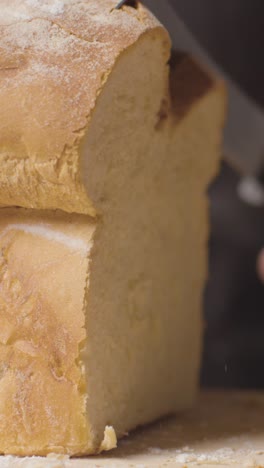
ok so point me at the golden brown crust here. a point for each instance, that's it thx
(55, 57)
(42, 385)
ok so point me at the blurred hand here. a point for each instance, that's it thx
(260, 265)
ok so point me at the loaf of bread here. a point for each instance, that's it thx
(106, 155)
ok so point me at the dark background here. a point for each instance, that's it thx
(233, 30)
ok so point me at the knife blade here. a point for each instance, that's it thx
(244, 131)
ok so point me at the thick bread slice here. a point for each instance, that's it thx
(55, 59)
(102, 323)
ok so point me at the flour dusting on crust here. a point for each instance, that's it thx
(50, 234)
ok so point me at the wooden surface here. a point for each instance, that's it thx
(224, 430)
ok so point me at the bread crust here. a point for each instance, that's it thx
(42, 392)
(55, 58)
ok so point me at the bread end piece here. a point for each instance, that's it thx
(54, 64)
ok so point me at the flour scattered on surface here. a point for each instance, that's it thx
(225, 455)
(198, 457)
(53, 461)
(155, 451)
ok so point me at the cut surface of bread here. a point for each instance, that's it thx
(101, 309)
